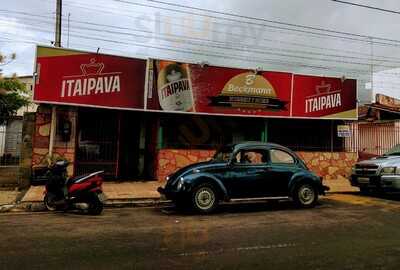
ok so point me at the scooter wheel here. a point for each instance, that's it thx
(95, 205)
(49, 200)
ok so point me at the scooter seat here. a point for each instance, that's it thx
(82, 178)
(75, 179)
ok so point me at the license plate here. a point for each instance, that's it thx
(102, 197)
(363, 180)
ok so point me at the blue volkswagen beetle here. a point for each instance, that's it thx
(244, 170)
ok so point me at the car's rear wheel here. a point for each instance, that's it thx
(205, 198)
(305, 195)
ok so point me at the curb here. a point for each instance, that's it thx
(37, 206)
(7, 208)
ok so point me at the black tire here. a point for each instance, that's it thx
(205, 198)
(305, 195)
(49, 200)
(95, 205)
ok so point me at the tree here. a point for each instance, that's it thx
(12, 93)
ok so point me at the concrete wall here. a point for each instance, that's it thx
(9, 175)
(2, 139)
(13, 137)
(25, 169)
(330, 165)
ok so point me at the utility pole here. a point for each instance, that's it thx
(69, 15)
(57, 43)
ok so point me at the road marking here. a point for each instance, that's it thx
(237, 249)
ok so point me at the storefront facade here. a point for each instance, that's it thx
(143, 119)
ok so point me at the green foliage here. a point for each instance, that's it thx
(12, 92)
(11, 98)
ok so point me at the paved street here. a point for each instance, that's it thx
(346, 231)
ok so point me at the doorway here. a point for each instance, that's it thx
(116, 142)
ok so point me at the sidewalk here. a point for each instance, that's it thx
(115, 192)
(132, 194)
(340, 185)
(8, 199)
(7, 196)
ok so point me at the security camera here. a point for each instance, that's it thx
(204, 64)
(257, 70)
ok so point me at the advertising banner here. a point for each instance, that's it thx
(391, 102)
(324, 97)
(231, 91)
(72, 77)
(220, 90)
(98, 80)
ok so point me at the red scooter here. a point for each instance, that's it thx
(81, 192)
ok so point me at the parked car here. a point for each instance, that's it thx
(380, 173)
(244, 170)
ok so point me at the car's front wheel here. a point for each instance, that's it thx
(205, 198)
(305, 195)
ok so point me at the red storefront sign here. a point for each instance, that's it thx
(89, 79)
(230, 91)
(324, 97)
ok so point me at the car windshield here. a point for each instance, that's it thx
(223, 154)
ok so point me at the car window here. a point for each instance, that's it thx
(279, 156)
(223, 154)
(254, 157)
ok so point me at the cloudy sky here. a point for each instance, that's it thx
(319, 37)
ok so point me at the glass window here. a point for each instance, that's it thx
(207, 132)
(279, 156)
(255, 157)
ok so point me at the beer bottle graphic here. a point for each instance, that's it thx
(174, 87)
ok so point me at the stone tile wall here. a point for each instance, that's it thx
(42, 137)
(330, 165)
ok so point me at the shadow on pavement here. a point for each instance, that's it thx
(240, 207)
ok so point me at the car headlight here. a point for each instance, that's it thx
(180, 183)
(390, 170)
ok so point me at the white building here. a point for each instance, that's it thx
(10, 134)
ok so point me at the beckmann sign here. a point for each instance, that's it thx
(90, 79)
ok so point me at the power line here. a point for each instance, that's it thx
(246, 59)
(234, 48)
(238, 35)
(256, 60)
(365, 6)
(264, 20)
(221, 55)
(385, 44)
(238, 47)
(241, 59)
